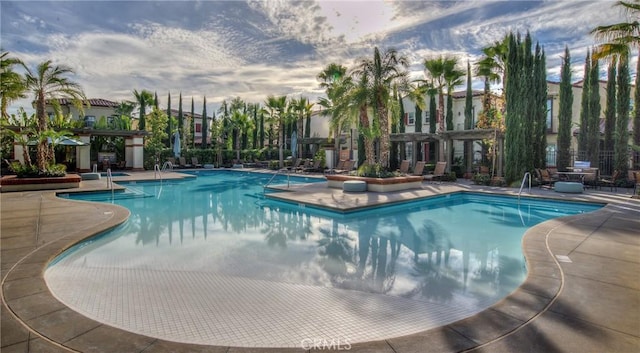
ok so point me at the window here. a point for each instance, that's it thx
(89, 120)
(550, 114)
(198, 127)
(410, 118)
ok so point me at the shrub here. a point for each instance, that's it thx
(481, 179)
(31, 171)
(374, 171)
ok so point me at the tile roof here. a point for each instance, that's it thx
(94, 102)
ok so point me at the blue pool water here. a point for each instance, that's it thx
(465, 246)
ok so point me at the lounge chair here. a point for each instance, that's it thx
(183, 163)
(315, 167)
(438, 172)
(194, 161)
(404, 167)
(611, 182)
(544, 178)
(347, 166)
(340, 166)
(419, 168)
(295, 165)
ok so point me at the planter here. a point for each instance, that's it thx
(378, 184)
(12, 183)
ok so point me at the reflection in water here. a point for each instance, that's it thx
(456, 249)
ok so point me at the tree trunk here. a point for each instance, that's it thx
(42, 152)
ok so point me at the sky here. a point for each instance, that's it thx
(253, 49)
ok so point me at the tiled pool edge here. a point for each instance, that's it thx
(544, 286)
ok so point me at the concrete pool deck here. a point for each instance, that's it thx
(591, 303)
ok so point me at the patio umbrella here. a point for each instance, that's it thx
(294, 144)
(63, 140)
(176, 144)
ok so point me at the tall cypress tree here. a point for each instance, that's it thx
(254, 107)
(193, 125)
(402, 128)
(593, 133)
(525, 101)
(584, 109)
(181, 119)
(564, 115)
(468, 118)
(610, 113)
(205, 124)
(433, 111)
(468, 102)
(636, 118)
(449, 116)
(540, 109)
(169, 127)
(622, 120)
(261, 128)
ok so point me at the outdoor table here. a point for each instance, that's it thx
(576, 176)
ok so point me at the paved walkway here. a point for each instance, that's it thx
(582, 293)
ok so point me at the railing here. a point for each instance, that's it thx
(157, 174)
(109, 179)
(526, 176)
(167, 165)
(275, 175)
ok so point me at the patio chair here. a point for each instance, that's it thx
(438, 172)
(611, 182)
(404, 167)
(590, 179)
(419, 168)
(544, 178)
(295, 165)
(347, 166)
(340, 166)
(183, 163)
(194, 161)
(315, 167)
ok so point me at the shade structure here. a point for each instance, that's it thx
(63, 140)
(176, 144)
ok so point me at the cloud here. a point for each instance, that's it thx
(224, 49)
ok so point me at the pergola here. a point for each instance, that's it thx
(133, 150)
(445, 143)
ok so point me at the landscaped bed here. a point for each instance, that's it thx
(377, 184)
(13, 183)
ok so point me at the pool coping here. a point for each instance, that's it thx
(25, 294)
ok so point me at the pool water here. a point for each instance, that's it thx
(454, 251)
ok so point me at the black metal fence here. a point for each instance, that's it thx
(605, 161)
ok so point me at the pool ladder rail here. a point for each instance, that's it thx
(264, 188)
(526, 176)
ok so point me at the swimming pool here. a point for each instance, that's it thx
(211, 261)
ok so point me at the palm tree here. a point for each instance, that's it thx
(12, 86)
(144, 99)
(435, 72)
(48, 82)
(277, 107)
(453, 77)
(336, 83)
(382, 72)
(618, 38)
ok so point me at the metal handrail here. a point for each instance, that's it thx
(276, 174)
(156, 172)
(524, 178)
(167, 165)
(109, 179)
